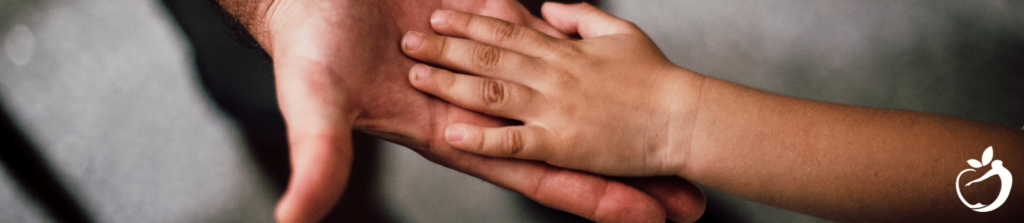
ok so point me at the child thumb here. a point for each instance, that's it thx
(584, 19)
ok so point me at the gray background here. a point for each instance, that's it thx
(147, 111)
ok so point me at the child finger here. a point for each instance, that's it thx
(485, 95)
(472, 57)
(521, 142)
(492, 31)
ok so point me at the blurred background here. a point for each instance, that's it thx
(150, 111)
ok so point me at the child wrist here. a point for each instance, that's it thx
(683, 97)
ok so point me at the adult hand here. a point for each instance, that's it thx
(338, 67)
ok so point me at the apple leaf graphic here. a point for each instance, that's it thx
(986, 157)
(974, 163)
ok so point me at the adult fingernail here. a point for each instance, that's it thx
(455, 134)
(412, 40)
(440, 17)
(420, 71)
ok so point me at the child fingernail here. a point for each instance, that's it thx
(440, 17)
(412, 40)
(420, 71)
(455, 134)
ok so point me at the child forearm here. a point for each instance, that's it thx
(843, 162)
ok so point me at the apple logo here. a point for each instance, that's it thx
(997, 170)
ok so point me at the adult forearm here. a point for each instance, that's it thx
(843, 162)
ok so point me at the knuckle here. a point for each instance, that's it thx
(513, 142)
(564, 79)
(494, 93)
(505, 31)
(487, 57)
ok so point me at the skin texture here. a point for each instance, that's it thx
(339, 68)
(610, 102)
(571, 95)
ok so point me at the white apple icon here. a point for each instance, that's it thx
(997, 170)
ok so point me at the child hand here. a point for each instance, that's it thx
(610, 103)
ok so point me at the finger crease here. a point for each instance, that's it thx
(505, 31)
(494, 93)
(515, 142)
(487, 58)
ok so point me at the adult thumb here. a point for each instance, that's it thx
(319, 140)
(320, 170)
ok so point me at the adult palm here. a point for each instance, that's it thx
(338, 67)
